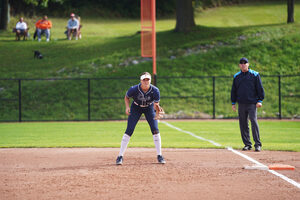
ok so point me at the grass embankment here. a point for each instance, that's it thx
(222, 36)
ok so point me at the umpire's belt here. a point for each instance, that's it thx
(143, 106)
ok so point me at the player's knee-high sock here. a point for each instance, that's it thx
(157, 142)
(124, 143)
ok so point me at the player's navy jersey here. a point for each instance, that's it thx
(141, 98)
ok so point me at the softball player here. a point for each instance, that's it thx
(145, 98)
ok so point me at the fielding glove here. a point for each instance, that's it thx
(159, 112)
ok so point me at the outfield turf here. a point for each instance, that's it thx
(275, 135)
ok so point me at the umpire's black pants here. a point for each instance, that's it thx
(249, 111)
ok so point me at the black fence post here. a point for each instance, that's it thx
(214, 97)
(89, 100)
(279, 96)
(155, 80)
(20, 101)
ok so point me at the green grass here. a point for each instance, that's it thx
(255, 30)
(262, 13)
(275, 135)
(113, 41)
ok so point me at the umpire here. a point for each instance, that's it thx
(248, 91)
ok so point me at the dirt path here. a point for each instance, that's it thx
(91, 173)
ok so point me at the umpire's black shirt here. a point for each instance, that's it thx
(247, 88)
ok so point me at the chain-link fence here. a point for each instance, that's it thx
(201, 97)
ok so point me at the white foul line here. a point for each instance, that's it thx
(192, 134)
(238, 153)
(271, 171)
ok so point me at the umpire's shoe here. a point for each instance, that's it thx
(258, 148)
(161, 159)
(247, 148)
(119, 160)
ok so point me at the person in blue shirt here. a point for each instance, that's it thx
(145, 98)
(248, 91)
(73, 26)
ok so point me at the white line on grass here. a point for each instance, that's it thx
(236, 152)
(190, 133)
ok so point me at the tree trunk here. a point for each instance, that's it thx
(290, 7)
(184, 16)
(3, 14)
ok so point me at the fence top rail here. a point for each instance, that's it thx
(118, 78)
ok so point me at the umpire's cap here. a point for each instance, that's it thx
(243, 60)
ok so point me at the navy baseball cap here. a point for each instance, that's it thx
(243, 60)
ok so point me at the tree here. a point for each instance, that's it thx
(3, 14)
(290, 7)
(19, 6)
(184, 16)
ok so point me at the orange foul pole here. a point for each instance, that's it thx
(154, 41)
(148, 32)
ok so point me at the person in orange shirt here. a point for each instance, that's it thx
(43, 26)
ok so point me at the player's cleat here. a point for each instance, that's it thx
(119, 160)
(258, 148)
(246, 148)
(161, 159)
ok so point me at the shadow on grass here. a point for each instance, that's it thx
(62, 53)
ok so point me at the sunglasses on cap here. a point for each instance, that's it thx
(243, 62)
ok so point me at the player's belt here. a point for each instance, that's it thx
(143, 106)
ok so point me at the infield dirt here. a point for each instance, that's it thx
(91, 173)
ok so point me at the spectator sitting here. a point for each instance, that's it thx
(21, 29)
(43, 26)
(73, 27)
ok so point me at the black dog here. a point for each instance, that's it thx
(37, 55)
